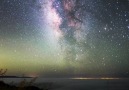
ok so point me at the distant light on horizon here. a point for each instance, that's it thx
(103, 78)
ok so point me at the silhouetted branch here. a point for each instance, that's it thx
(2, 73)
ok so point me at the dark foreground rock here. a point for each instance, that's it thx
(4, 86)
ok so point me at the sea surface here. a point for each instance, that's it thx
(76, 83)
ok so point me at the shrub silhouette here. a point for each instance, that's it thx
(23, 85)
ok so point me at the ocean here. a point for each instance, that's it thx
(76, 83)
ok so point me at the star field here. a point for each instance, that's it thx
(65, 37)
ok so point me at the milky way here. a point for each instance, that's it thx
(65, 37)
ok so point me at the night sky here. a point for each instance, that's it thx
(65, 38)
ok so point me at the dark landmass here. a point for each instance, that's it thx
(13, 77)
(4, 86)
